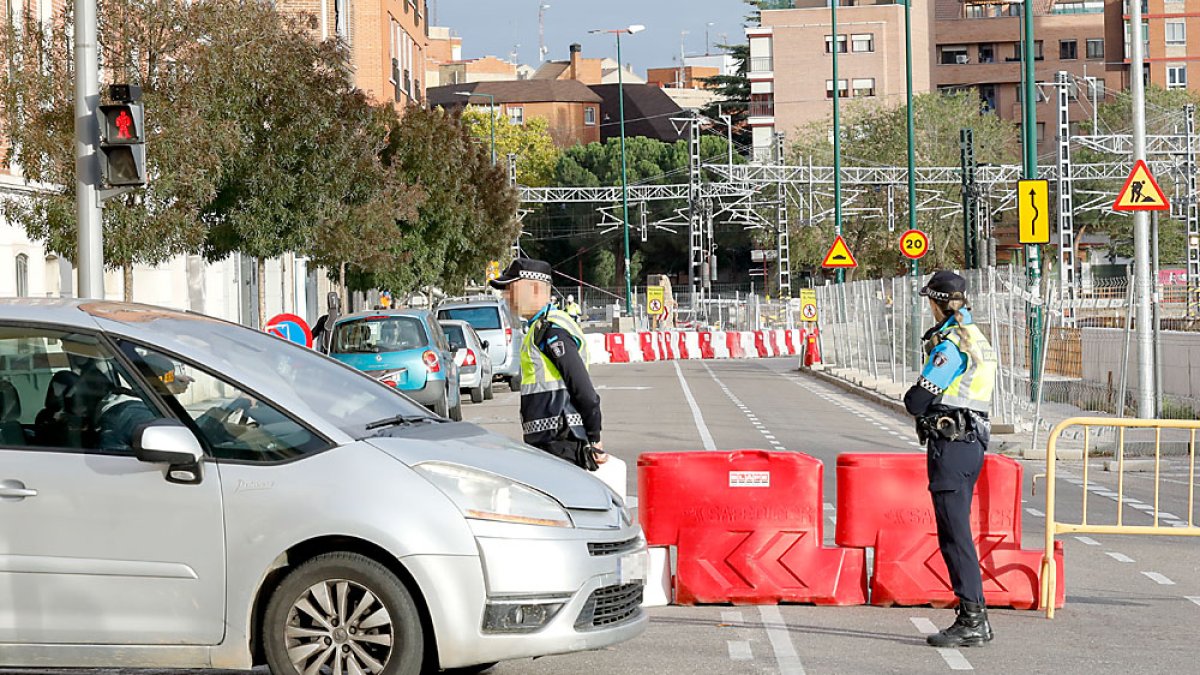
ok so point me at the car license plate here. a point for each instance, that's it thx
(632, 567)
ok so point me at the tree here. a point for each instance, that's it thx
(531, 142)
(733, 94)
(604, 268)
(875, 135)
(37, 100)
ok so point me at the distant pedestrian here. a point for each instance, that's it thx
(560, 409)
(951, 401)
(573, 309)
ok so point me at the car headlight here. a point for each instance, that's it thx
(486, 496)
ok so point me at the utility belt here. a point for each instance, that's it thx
(953, 424)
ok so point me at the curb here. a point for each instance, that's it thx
(874, 397)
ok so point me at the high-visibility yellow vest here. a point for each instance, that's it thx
(973, 388)
(546, 408)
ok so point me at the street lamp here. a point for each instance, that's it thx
(492, 105)
(636, 28)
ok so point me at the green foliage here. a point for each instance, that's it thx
(733, 94)
(874, 135)
(604, 268)
(531, 142)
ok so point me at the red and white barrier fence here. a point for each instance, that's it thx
(688, 345)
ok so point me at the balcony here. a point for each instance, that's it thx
(762, 108)
(761, 64)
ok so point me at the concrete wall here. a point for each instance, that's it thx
(1102, 354)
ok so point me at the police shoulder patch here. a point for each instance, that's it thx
(557, 348)
(939, 359)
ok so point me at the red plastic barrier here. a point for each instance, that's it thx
(649, 353)
(773, 337)
(910, 571)
(748, 527)
(614, 344)
(734, 340)
(789, 342)
(666, 350)
(706, 348)
(812, 349)
(760, 344)
(883, 501)
(682, 345)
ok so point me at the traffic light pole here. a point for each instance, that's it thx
(90, 258)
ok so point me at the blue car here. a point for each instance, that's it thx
(405, 349)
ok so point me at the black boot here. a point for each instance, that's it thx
(970, 629)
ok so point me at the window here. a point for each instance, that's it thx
(233, 424)
(1037, 50)
(843, 89)
(1095, 88)
(480, 318)
(1039, 87)
(1176, 33)
(381, 334)
(516, 114)
(589, 116)
(66, 390)
(1041, 132)
(341, 19)
(863, 86)
(953, 55)
(1068, 50)
(1177, 77)
(841, 44)
(22, 275)
(987, 53)
(1095, 48)
(1145, 38)
(974, 11)
(864, 42)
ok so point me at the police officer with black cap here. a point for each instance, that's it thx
(560, 409)
(951, 401)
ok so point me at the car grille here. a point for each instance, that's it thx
(610, 606)
(612, 547)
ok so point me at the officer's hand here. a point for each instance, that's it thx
(598, 452)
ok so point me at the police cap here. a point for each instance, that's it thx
(524, 268)
(945, 286)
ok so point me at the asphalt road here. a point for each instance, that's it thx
(1133, 603)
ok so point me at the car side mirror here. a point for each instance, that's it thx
(484, 344)
(170, 442)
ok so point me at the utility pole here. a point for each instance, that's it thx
(682, 55)
(1141, 223)
(970, 196)
(837, 132)
(1033, 262)
(89, 216)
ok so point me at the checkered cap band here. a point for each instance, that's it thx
(534, 276)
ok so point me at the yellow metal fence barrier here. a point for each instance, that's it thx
(1054, 527)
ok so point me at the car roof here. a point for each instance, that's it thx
(421, 314)
(452, 303)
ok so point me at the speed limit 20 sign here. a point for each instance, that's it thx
(914, 244)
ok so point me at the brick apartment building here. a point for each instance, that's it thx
(569, 106)
(388, 42)
(978, 47)
(688, 77)
(790, 68)
(1171, 39)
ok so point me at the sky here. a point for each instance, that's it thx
(493, 27)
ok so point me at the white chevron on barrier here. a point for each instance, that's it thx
(692, 340)
(597, 350)
(748, 346)
(720, 345)
(633, 345)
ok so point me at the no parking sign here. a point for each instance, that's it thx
(291, 328)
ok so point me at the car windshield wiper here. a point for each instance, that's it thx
(400, 420)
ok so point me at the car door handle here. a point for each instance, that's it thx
(15, 490)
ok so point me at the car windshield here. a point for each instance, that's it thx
(482, 318)
(378, 334)
(455, 335)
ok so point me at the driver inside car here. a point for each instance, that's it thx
(121, 411)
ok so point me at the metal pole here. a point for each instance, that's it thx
(624, 181)
(1141, 222)
(837, 134)
(1033, 262)
(1130, 290)
(87, 162)
(914, 265)
(1156, 300)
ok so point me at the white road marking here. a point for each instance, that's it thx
(1159, 579)
(781, 641)
(952, 657)
(1193, 598)
(1035, 513)
(1142, 507)
(1167, 516)
(1119, 557)
(739, 650)
(705, 437)
(1087, 540)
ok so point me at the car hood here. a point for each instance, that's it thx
(472, 446)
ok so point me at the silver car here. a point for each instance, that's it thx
(493, 321)
(471, 356)
(177, 491)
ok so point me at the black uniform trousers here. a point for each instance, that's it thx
(953, 468)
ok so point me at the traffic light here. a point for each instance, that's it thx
(122, 139)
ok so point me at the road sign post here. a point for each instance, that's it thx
(808, 305)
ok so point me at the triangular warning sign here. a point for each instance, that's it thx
(1141, 192)
(839, 255)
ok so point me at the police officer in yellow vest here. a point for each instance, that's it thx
(950, 402)
(560, 409)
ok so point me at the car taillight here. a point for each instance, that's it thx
(392, 378)
(431, 361)
(470, 359)
(508, 336)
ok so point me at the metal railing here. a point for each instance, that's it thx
(762, 108)
(1049, 579)
(761, 64)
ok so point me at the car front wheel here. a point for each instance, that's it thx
(343, 613)
(514, 383)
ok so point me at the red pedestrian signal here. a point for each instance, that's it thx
(122, 144)
(121, 123)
